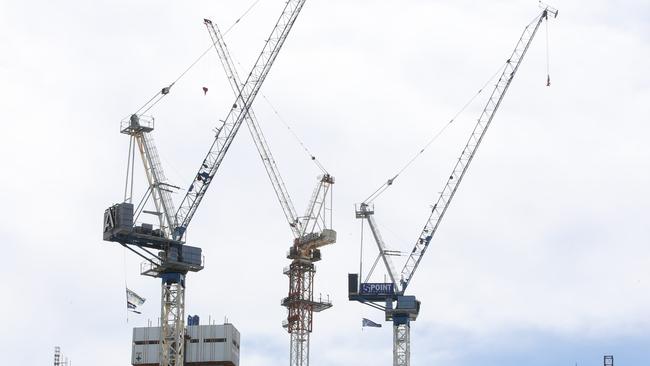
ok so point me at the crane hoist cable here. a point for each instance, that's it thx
(548, 60)
(295, 135)
(311, 156)
(156, 98)
(382, 188)
(241, 17)
(543, 5)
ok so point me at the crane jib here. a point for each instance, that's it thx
(475, 139)
(255, 130)
(230, 126)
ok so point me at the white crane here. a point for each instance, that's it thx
(390, 297)
(310, 231)
(173, 259)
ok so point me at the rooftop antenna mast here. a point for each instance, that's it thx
(57, 356)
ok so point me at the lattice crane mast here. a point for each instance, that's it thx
(174, 259)
(311, 231)
(398, 307)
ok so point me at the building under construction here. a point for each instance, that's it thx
(205, 345)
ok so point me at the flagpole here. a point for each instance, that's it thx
(126, 286)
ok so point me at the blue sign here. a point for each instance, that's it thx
(377, 289)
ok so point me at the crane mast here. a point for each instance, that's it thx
(167, 257)
(407, 308)
(310, 231)
(227, 131)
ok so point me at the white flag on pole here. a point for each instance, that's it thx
(133, 300)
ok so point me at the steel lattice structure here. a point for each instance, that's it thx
(401, 344)
(299, 304)
(240, 108)
(475, 139)
(173, 322)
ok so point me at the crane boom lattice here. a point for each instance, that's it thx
(465, 158)
(255, 130)
(227, 131)
(139, 127)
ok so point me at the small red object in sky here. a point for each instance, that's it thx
(205, 90)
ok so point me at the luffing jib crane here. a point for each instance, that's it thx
(311, 231)
(167, 257)
(390, 297)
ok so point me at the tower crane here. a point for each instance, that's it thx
(310, 231)
(390, 297)
(166, 254)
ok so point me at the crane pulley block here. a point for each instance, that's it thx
(363, 210)
(136, 124)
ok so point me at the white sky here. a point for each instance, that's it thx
(542, 259)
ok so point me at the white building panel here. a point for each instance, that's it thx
(146, 346)
(205, 345)
(212, 344)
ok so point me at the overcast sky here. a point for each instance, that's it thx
(542, 259)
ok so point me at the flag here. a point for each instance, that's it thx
(369, 323)
(133, 300)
